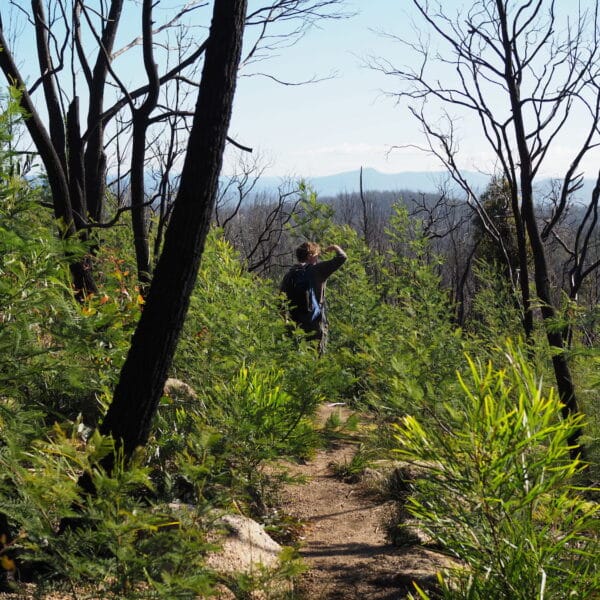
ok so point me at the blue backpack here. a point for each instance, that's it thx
(299, 287)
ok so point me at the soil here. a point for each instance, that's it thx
(344, 539)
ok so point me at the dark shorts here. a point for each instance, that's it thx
(318, 330)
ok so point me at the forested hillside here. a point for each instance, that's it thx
(153, 387)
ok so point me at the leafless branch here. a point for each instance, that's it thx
(313, 79)
(188, 8)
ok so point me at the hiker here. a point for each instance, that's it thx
(304, 286)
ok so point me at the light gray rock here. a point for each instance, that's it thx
(179, 390)
(244, 547)
(182, 393)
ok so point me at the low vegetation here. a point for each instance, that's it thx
(472, 406)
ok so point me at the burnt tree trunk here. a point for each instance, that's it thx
(140, 127)
(562, 371)
(94, 156)
(51, 148)
(523, 276)
(140, 386)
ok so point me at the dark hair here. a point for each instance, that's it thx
(306, 249)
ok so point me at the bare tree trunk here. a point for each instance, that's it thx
(140, 127)
(562, 372)
(95, 157)
(153, 345)
(365, 211)
(55, 115)
(523, 274)
(75, 167)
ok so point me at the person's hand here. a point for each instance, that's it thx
(333, 248)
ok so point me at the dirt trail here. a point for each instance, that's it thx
(344, 540)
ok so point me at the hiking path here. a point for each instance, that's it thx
(344, 538)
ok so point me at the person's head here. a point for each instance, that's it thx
(308, 252)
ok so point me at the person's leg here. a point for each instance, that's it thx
(323, 334)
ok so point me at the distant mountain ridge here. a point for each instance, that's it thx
(349, 181)
(414, 181)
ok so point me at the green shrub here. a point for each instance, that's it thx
(500, 492)
(55, 353)
(494, 312)
(258, 421)
(122, 545)
(234, 319)
(256, 386)
(393, 343)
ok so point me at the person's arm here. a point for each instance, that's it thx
(327, 267)
(337, 249)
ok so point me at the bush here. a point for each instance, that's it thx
(122, 544)
(393, 344)
(500, 492)
(55, 353)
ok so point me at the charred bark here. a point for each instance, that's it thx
(140, 126)
(143, 375)
(95, 158)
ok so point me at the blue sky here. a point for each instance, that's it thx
(346, 121)
(336, 125)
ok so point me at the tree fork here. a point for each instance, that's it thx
(562, 372)
(144, 372)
